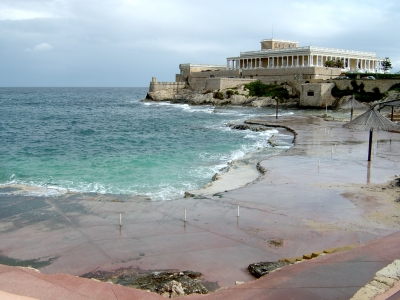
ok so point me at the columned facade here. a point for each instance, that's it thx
(295, 57)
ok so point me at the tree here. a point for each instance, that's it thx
(386, 64)
(339, 63)
(329, 63)
(334, 63)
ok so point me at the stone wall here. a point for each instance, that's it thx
(383, 84)
(278, 75)
(215, 74)
(198, 81)
(158, 86)
(213, 84)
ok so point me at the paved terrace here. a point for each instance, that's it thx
(313, 197)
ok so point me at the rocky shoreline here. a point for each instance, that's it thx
(246, 170)
(237, 96)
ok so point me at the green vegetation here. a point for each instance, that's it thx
(386, 64)
(229, 93)
(338, 93)
(395, 87)
(376, 75)
(359, 93)
(334, 63)
(218, 95)
(258, 89)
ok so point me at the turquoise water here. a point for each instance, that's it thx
(105, 140)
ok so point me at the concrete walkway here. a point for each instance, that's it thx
(319, 194)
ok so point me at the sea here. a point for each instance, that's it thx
(109, 141)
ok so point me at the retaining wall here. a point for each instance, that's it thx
(225, 83)
(383, 84)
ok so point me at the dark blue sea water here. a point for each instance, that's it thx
(106, 140)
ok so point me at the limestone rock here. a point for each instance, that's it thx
(268, 101)
(263, 268)
(240, 100)
(172, 289)
(161, 95)
(199, 99)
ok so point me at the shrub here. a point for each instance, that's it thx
(258, 89)
(376, 75)
(395, 87)
(338, 93)
(359, 93)
(229, 93)
(334, 63)
(362, 86)
(354, 84)
(219, 95)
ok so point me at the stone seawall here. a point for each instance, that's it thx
(174, 86)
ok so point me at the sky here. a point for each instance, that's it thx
(124, 43)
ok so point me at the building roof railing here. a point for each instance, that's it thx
(281, 41)
(309, 48)
(202, 65)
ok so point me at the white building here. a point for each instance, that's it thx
(286, 54)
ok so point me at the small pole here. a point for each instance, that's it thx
(120, 220)
(371, 133)
(391, 118)
(318, 162)
(351, 111)
(238, 212)
(185, 216)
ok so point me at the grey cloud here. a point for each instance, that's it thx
(126, 42)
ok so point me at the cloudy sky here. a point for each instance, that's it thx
(126, 42)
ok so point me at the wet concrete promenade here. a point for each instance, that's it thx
(320, 194)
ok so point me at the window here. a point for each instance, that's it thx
(310, 93)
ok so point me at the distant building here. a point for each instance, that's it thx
(287, 54)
